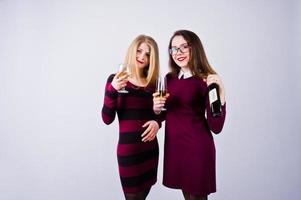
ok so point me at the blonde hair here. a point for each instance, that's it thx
(151, 71)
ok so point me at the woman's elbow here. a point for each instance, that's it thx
(107, 120)
(216, 130)
(217, 126)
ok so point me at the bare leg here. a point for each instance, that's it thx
(186, 195)
(194, 197)
(137, 196)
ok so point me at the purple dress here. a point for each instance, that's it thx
(189, 158)
(137, 160)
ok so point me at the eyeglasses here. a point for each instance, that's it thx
(184, 48)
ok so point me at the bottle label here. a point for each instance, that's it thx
(212, 95)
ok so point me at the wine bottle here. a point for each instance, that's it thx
(214, 99)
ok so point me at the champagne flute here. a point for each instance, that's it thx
(123, 70)
(161, 88)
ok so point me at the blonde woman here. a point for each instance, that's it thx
(137, 149)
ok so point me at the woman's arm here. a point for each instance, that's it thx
(216, 123)
(110, 102)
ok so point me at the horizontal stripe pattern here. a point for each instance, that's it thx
(108, 111)
(132, 102)
(130, 137)
(135, 114)
(110, 102)
(135, 181)
(138, 169)
(142, 187)
(130, 125)
(134, 148)
(137, 160)
(142, 93)
(111, 94)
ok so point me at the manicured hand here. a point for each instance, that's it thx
(119, 82)
(158, 102)
(214, 78)
(151, 131)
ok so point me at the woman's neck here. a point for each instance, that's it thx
(138, 80)
(185, 69)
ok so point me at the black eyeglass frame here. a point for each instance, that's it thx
(174, 50)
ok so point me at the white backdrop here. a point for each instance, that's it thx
(55, 57)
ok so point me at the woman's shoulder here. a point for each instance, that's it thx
(170, 75)
(200, 80)
(110, 78)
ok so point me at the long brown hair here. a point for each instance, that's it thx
(198, 63)
(151, 71)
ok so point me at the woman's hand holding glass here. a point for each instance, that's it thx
(160, 96)
(159, 102)
(121, 78)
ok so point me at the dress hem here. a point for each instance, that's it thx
(189, 191)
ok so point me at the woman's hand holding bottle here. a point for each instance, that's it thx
(214, 78)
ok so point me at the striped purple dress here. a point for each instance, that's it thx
(137, 160)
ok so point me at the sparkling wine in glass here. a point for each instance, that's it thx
(162, 88)
(123, 70)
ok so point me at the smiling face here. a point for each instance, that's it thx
(180, 51)
(142, 55)
(142, 58)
